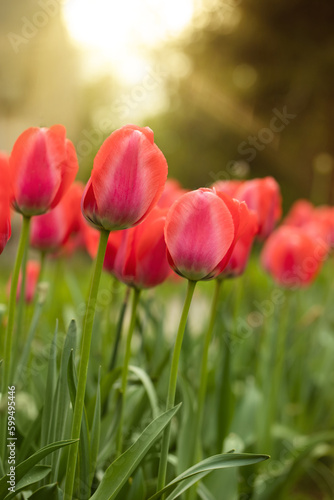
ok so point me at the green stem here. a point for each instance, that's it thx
(83, 365)
(42, 266)
(225, 394)
(172, 384)
(20, 307)
(24, 238)
(271, 391)
(119, 326)
(196, 444)
(125, 370)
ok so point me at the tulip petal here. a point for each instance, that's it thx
(128, 177)
(199, 232)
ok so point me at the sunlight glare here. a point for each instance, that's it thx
(123, 32)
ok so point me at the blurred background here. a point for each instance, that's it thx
(231, 88)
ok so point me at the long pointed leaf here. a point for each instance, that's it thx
(206, 466)
(24, 467)
(48, 492)
(121, 469)
(36, 474)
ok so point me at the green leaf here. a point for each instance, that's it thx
(204, 467)
(149, 388)
(186, 431)
(138, 488)
(36, 474)
(95, 431)
(24, 467)
(83, 471)
(62, 393)
(204, 493)
(33, 432)
(121, 469)
(48, 492)
(48, 408)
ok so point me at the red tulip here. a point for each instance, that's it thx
(127, 179)
(228, 187)
(300, 213)
(293, 256)
(141, 260)
(201, 230)
(92, 237)
(32, 274)
(50, 231)
(263, 196)
(43, 165)
(239, 258)
(5, 226)
(172, 191)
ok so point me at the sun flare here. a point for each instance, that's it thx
(120, 33)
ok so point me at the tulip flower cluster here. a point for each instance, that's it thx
(141, 228)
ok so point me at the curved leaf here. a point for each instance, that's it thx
(121, 469)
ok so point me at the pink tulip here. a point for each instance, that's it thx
(228, 187)
(172, 191)
(141, 260)
(5, 226)
(299, 214)
(43, 165)
(201, 230)
(50, 231)
(293, 256)
(240, 254)
(127, 179)
(263, 196)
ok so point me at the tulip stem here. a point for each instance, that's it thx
(172, 385)
(125, 370)
(24, 238)
(83, 365)
(119, 326)
(271, 390)
(196, 442)
(20, 307)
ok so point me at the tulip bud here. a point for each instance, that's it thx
(127, 180)
(43, 165)
(263, 196)
(293, 256)
(50, 231)
(201, 231)
(141, 259)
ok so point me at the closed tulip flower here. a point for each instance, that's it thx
(5, 226)
(172, 191)
(240, 254)
(263, 196)
(293, 256)
(43, 165)
(201, 230)
(127, 179)
(228, 187)
(50, 231)
(300, 213)
(141, 260)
